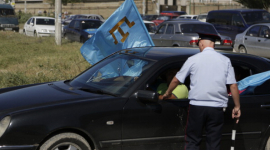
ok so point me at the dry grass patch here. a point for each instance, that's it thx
(27, 60)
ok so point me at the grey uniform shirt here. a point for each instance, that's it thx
(209, 73)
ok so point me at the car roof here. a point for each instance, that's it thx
(6, 6)
(42, 17)
(159, 53)
(83, 19)
(186, 21)
(238, 10)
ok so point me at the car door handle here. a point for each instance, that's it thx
(265, 106)
(259, 40)
(245, 38)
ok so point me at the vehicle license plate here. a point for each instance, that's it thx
(217, 42)
(8, 29)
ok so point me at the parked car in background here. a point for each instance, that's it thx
(162, 18)
(68, 20)
(150, 26)
(233, 21)
(173, 12)
(149, 17)
(8, 19)
(81, 30)
(202, 17)
(254, 40)
(94, 16)
(39, 26)
(184, 34)
(187, 17)
(106, 108)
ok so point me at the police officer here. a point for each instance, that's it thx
(209, 72)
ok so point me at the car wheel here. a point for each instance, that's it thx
(242, 49)
(65, 36)
(35, 34)
(24, 32)
(66, 141)
(82, 40)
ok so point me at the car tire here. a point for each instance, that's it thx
(242, 49)
(65, 141)
(24, 32)
(36, 34)
(82, 40)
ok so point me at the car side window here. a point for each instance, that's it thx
(264, 31)
(161, 30)
(242, 71)
(71, 25)
(254, 31)
(77, 25)
(28, 22)
(33, 21)
(237, 21)
(170, 29)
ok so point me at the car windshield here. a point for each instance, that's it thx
(113, 75)
(256, 17)
(163, 18)
(91, 24)
(45, 21)
(6, 12)
(194, 28)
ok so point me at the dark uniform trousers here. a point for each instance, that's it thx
(200, 117)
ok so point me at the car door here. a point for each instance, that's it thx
(250, 40)
(77, 30)
(31, 28)
(27, 26)
(168, 36)
(155, 126)
(250, 129)
(263, 42)
(158, 36)
(69, 30)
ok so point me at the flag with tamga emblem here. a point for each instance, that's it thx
(123, 29)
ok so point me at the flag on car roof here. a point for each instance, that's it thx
(123, 29)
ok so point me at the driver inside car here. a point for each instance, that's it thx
(180, 92)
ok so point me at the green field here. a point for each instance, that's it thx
(27, 60)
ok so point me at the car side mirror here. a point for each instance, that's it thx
(31, 23)
(147, 96)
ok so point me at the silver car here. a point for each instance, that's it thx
(184, 34)
(254, 40)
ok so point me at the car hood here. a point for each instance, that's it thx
(90, 30)
(9, 20)
(42, 95)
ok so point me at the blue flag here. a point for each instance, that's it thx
(251, 82)
(123, 29)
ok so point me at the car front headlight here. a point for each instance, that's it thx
(43, 30)
(4, 123)
(90, 35)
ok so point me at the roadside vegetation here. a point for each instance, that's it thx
(28, 60)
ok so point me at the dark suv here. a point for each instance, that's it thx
(233, 21)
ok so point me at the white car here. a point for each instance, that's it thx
(39, 26)
(254, 40)
(187, 17)
(150, 26)
(202, 17)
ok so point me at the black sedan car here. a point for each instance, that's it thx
(114, 106)
(81, 30)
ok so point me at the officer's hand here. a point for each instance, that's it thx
(236, 113)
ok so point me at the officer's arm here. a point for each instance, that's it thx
(236, 112)
(174, 83)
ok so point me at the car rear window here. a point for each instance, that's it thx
(194, 28)
(45, 21)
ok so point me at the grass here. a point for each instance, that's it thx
(27, 60)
